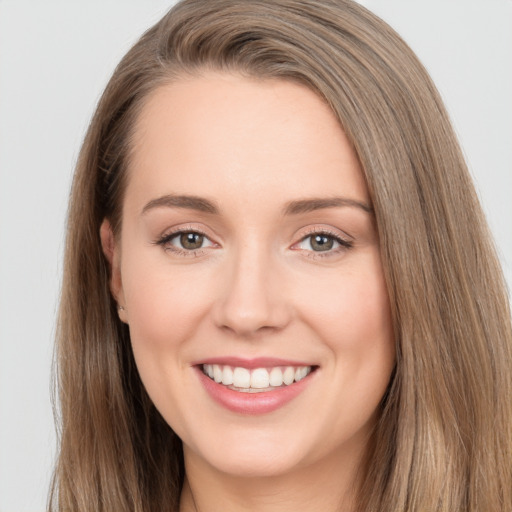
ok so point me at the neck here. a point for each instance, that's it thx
(328, 485)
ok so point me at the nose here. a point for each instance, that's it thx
(253, 299)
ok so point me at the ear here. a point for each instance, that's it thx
(112, 252)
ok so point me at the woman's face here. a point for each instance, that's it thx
(249, 251)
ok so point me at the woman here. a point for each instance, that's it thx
(279, 289)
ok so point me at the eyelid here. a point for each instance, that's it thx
(322, 229)
(344, 240)
(173, 232)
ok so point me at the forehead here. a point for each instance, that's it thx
(217, 134)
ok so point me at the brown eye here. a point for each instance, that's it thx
(321, 242)
(191, 241)
(183, 242)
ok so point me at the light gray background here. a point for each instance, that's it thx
(55, 58)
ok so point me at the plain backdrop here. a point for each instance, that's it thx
(55, 58)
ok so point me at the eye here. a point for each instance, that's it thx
(185, 241)
(323, 242)
(189, 241)
(319, 242)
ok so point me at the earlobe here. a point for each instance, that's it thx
(111, 251)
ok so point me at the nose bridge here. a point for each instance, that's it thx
(252, 300)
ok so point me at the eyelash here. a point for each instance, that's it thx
(344, 244)
(165, 240)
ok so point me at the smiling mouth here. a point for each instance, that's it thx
(257, 380)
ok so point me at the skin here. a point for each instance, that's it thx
(256, 288)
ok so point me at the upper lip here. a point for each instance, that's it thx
(258, 362)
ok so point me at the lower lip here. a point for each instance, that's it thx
(252, 403)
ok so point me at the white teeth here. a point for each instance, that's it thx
(276, 377)
(241, 378)
(227, 376)
(300, 373)
(217, 373)
(257, 379)
(288, 375)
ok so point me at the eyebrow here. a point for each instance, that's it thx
(313, 204)
(182, 201)
(291, 208)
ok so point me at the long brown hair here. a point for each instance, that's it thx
(443, 441)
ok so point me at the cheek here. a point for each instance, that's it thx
(355, 325)
(165, 308)
(355, 310)
(165, 304)
(354, 321)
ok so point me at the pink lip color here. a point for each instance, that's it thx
(251, 403)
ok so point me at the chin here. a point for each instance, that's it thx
(256, 467)
(252, 456)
